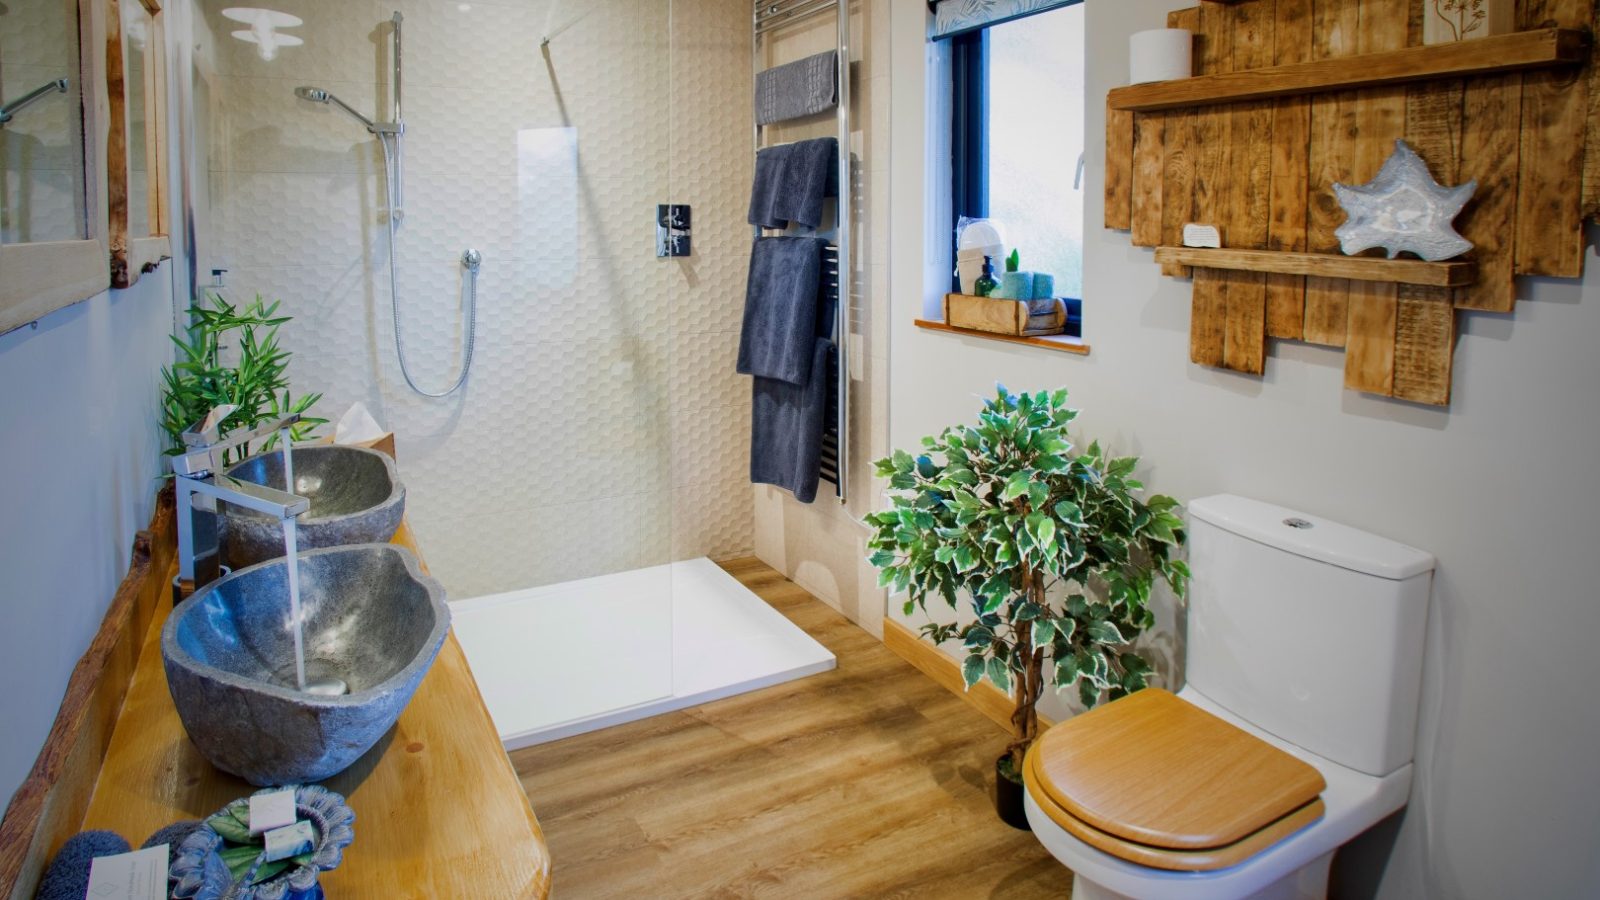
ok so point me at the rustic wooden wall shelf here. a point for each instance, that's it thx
(1452, 273)
(1291, 96)
(1059, 342)
(1543, 48)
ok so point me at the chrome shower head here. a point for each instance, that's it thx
(318, 95)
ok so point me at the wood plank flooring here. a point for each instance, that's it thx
(867, 781)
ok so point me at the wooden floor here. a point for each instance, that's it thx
(867, 781)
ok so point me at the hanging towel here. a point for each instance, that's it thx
(809, 175)
(796, 89)
(780, 308)
(786, 423)
(769, 182)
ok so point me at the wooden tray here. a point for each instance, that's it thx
(1013, 317)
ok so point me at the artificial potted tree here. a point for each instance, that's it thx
(1053, 551)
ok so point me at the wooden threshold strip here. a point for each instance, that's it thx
(1543, 48)
(1451, 273)
(1059, 342)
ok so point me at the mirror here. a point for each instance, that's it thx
(42, 196)
(135, 153)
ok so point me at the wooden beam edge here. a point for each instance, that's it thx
(945, 671)
(1543, 48)
(1450, 273)
(25, 842)
(1058, 342)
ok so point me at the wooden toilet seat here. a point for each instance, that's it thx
(1160, 782)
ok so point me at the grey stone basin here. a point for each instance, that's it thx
(372, 619)
(356, 498)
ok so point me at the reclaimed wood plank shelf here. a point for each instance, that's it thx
(1542, 48)
(1451, 273)
(1060, 342)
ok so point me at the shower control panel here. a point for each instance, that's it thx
(672, 229)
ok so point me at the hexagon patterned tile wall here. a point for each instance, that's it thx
(602, 427)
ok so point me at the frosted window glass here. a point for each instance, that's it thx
(1036, 141)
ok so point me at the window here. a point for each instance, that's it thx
(1018, 142)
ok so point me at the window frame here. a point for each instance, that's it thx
(970, 54)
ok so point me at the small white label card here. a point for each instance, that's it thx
(291, 840)
(1201, 236)
(271, 810)
(140, 875)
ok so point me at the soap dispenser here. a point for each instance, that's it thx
(986, 282)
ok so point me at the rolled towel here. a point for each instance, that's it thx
(1015, 286)
(780, 308)
(800, 88)
(806, 180)
(172, 835)
(786, 425)
(1044, 286)
(68, 875)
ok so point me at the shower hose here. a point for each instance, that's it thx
(470, 260)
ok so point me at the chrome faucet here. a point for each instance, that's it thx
(200, 484)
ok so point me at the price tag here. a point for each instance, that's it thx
(140, 875)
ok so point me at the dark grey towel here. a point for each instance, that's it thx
(768, 183)
(786, 423)
(796, 89)
(780, 308)
(806, 181)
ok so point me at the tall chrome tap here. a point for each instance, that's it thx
(200, 484)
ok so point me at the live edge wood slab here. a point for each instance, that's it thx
(440, 812)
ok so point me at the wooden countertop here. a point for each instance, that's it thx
(440, 812)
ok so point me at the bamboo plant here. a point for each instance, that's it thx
(209, 373)
(1052, 549)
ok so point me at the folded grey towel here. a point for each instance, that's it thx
(786, 424)
(806, 180)
(796, 89)
(768, 183)
(780, 308)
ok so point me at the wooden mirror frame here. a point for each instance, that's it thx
(133, 256)
(39, 278)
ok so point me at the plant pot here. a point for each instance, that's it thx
(1008, 794)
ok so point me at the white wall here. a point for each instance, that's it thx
(81, 450)
(1500, 487)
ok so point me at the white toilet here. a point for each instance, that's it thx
(1293, 734)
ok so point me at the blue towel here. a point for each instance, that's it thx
(809, 174)
(68, 875)
(796, 89)
(780, 308)
(768, 182)
(786, 424)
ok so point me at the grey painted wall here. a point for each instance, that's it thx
(80, 452)
(1501, 488)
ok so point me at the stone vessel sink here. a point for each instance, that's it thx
(356, 498)
(372, 620)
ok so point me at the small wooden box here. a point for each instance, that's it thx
(1015, 317)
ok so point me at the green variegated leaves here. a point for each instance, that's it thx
(1053, 549)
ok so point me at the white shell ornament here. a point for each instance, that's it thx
(1403, 210)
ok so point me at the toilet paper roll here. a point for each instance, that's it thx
(1160, 54)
